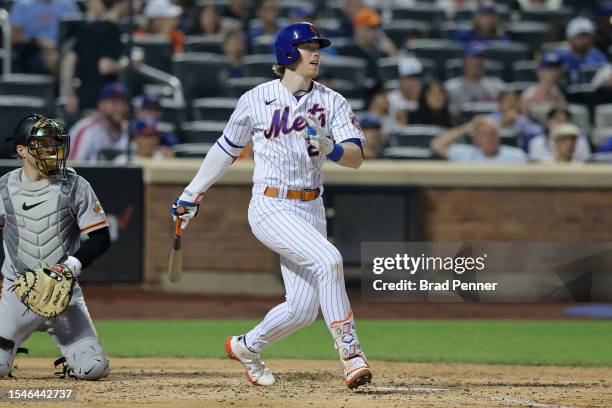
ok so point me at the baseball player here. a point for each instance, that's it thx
(295, 124)
(44, 209)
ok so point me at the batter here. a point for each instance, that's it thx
(295, 124)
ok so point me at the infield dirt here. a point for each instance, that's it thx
(190, 383)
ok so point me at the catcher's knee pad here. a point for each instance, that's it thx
(6, 356)
(87, 360)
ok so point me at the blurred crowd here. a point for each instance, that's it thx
(462, 80)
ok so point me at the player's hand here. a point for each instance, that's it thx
(315, 135)
(185, 208)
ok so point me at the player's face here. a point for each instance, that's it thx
(308, 65)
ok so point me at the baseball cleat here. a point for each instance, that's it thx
(255, 370)
(356, 372)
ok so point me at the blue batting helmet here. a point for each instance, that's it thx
(295, 34)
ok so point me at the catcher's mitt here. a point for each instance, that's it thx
(45, 291)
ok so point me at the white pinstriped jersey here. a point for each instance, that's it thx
(271, 116)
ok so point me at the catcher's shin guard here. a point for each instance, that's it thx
(354, 363)
(6, 356)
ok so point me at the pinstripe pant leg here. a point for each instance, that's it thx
(311, 267)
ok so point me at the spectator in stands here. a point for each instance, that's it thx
(485, 26)
(377, 106)
(238, 12)
(370, 41)
(564, 140)
(35, 33)
(267, 13)
(104, 133)
(510, 120)
(372, 129)
(546, 91)
(473, 86)
(234, 49)
(303, 12)
(486, 147)
(148, 140)
(603, 33)
(581, 53)
(539, 4)
(94, 60)
(349, 9)
(162, 19)
(542, 150)
(148, 107)
(206, 21)
(433, 107)
(405, 98)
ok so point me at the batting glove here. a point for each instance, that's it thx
(315, 135)
(185, 209)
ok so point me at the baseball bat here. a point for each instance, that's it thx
(175, 265)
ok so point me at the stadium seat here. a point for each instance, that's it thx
(469, 110)
(263, 44)
(548, 47)
(587, 74)
(508, 137)
(356, 104)
(454, 68)
(328, 25)
(579, 93)
(408, 153)
(506, 54)
(346, 88)
(213, 109)
(157, 50)
(600, 134)
(539, 112)
(448, 29)
(201, 131)
(387, 67)
(40, 86)
(172, 112)
(191, 150)
(202, 74)
(603, 116)
(502, 11)
(348, 68)
(237, 86)
(525, 71)
(259, 65)
(344, 46)
(427, 13)
(562, 15)
(580, 116)
(530, 33)
(414, 135)
(12, 109)
(436, 50)
(399, 31)
(204, 43)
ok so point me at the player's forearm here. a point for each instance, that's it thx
(352, 157)
(213, 167)
(94, 247)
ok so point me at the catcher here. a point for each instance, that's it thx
(44, 208)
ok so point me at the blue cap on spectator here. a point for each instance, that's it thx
(302, 11)
(605, 9)
(486, 7)
(144, 126)
(474, 49)
(550, 60)
(113, 90)
(148, 101)
(369, 121)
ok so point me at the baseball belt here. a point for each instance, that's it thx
(306, 194)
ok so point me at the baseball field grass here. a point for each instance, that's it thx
(512, 342)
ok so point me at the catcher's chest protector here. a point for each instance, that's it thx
(39, 225)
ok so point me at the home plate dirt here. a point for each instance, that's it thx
(190, 383)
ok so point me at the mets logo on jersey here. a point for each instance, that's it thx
(354, 121)
(280, 121)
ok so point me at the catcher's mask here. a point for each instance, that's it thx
(47, 141)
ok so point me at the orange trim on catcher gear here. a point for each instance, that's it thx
(348, 317)
(90, 227)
